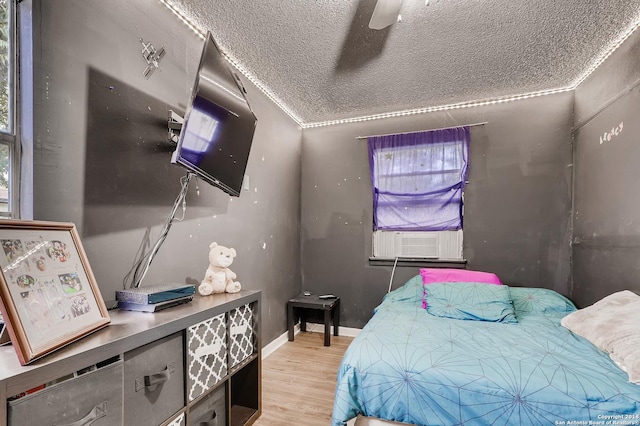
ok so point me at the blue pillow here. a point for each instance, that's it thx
(540, 301)
(411, 291)
(470, 301)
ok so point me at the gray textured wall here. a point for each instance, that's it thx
(88, 50)
(517, 204)
(517, 209)
(606, 217)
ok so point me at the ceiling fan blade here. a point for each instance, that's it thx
(385, 14)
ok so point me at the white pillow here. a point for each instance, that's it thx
(613, 325)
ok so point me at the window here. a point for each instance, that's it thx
(418, 182)
(8, 138)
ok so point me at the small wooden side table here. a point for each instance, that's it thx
(331, 308)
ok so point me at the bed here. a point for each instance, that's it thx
(414, 363)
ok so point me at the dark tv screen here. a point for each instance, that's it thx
(219, 124)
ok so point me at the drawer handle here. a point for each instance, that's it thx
(239, 329)
(212, 422)
(98, 412)
(151, 381)
(211, 349)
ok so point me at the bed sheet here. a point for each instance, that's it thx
(409, 366)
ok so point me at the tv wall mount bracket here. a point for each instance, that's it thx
(174, 124)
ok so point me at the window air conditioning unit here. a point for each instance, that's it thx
(435, 245)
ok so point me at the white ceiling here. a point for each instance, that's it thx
(322, 62)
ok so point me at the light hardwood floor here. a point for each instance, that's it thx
(299, 380)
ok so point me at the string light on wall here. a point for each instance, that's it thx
(200, 33)
(614, 46)
(468, 104)
(184, 19)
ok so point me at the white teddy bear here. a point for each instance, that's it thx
(219, 278)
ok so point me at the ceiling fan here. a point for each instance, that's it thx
(385, 13)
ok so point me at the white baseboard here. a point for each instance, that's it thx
(312, 327)
(344, 331)
(278, 341)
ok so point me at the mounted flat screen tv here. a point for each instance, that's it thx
(217, 132)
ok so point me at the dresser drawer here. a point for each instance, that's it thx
(210, 410)
(242, 333)
(94, 398)
(154, 381)
(206, 355)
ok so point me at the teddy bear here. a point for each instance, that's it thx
(219, 278)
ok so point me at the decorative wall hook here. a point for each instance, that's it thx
(152, 57)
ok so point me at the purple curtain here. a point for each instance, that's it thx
(418, 179)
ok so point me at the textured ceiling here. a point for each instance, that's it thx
(322, 62)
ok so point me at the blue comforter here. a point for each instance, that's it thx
(410, 366)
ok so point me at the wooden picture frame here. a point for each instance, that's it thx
(48, 292)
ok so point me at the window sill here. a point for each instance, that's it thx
(419, 261)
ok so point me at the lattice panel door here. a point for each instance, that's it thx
(242, 323)
(207, 344)
(178, 421)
